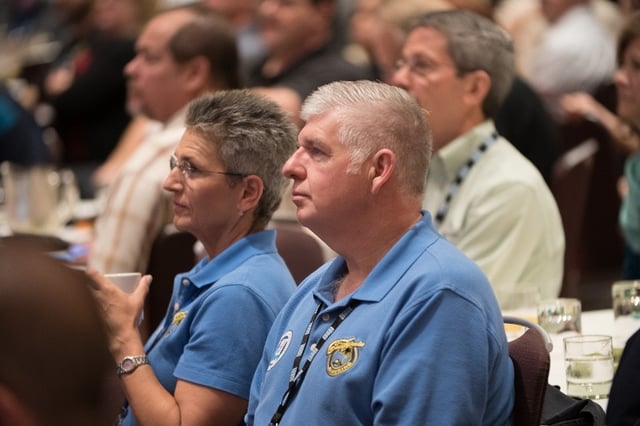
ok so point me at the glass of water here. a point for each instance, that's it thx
(626, 312)
(560, 315)
(589, 366)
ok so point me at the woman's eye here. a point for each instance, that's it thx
(190, 167)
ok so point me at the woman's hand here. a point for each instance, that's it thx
(581, 105)
(120, 311)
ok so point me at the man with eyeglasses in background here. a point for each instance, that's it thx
(485, 197)
(182, 53)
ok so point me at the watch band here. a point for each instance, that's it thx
(130, 363)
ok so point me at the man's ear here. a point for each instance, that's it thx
(477, 84)
(382, 167)
(252, 189)
(196, 73)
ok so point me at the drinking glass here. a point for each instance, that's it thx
(626, 313)
(589, 366)
(560, 315)
(37, 199)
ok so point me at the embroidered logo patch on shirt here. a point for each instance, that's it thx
(178, 317)
(283, 344)
(342, 354)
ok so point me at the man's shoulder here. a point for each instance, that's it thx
(504, 164)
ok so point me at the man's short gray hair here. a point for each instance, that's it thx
(373, 116)
(476, 43)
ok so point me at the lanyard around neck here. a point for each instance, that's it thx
(297, 374)
(462, 175)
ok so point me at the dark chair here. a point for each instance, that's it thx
(531, 363)
(301, 251)
(171, 253)
(570, 185)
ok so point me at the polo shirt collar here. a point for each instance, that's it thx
(386, 274)
(451, 157)
(208, 271)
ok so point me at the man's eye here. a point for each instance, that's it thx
(315, 151)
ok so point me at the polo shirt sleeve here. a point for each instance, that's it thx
(437, 366)
(227, 336)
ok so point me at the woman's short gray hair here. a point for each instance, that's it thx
(373, 116)
(251, 136)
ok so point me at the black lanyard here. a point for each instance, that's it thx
(462, 175)
(297, 374)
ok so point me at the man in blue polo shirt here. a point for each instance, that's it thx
(401, 328)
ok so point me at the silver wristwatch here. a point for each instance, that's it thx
(130, 363)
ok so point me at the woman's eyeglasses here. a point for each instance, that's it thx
(188, 170)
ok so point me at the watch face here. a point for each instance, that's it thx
(128, 365)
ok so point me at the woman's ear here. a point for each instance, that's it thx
(252, 189)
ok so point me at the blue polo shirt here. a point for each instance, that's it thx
(219, 316)
(425, 344)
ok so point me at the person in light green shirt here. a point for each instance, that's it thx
(485, 197)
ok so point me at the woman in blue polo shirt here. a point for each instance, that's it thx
(225, 179)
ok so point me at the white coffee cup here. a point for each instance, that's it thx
(126, 281)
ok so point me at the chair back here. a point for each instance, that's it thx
(300, 250)
(570, 184)
(171, 254)
(531, 362)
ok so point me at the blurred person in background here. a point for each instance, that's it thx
(301, 57)
(21, 138)
(623, 407)
(623, 126)
(182, 53)
(55, 365)
(243, 16)
(226, 182)
(576, 52)
(86, 87)
(485, 196)
(379, 26)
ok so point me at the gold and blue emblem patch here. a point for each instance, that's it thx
(342, 354)
(178, 317)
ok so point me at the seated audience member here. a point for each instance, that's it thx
(182, 53)
(226, 183)
(575, 53)
(242, 14)
(21, 138)
(55, 366)
(85, 85)
(486, 197)
(623, 408)
(379, 26)
(358, 182)
(297, 35)
(624, 128)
